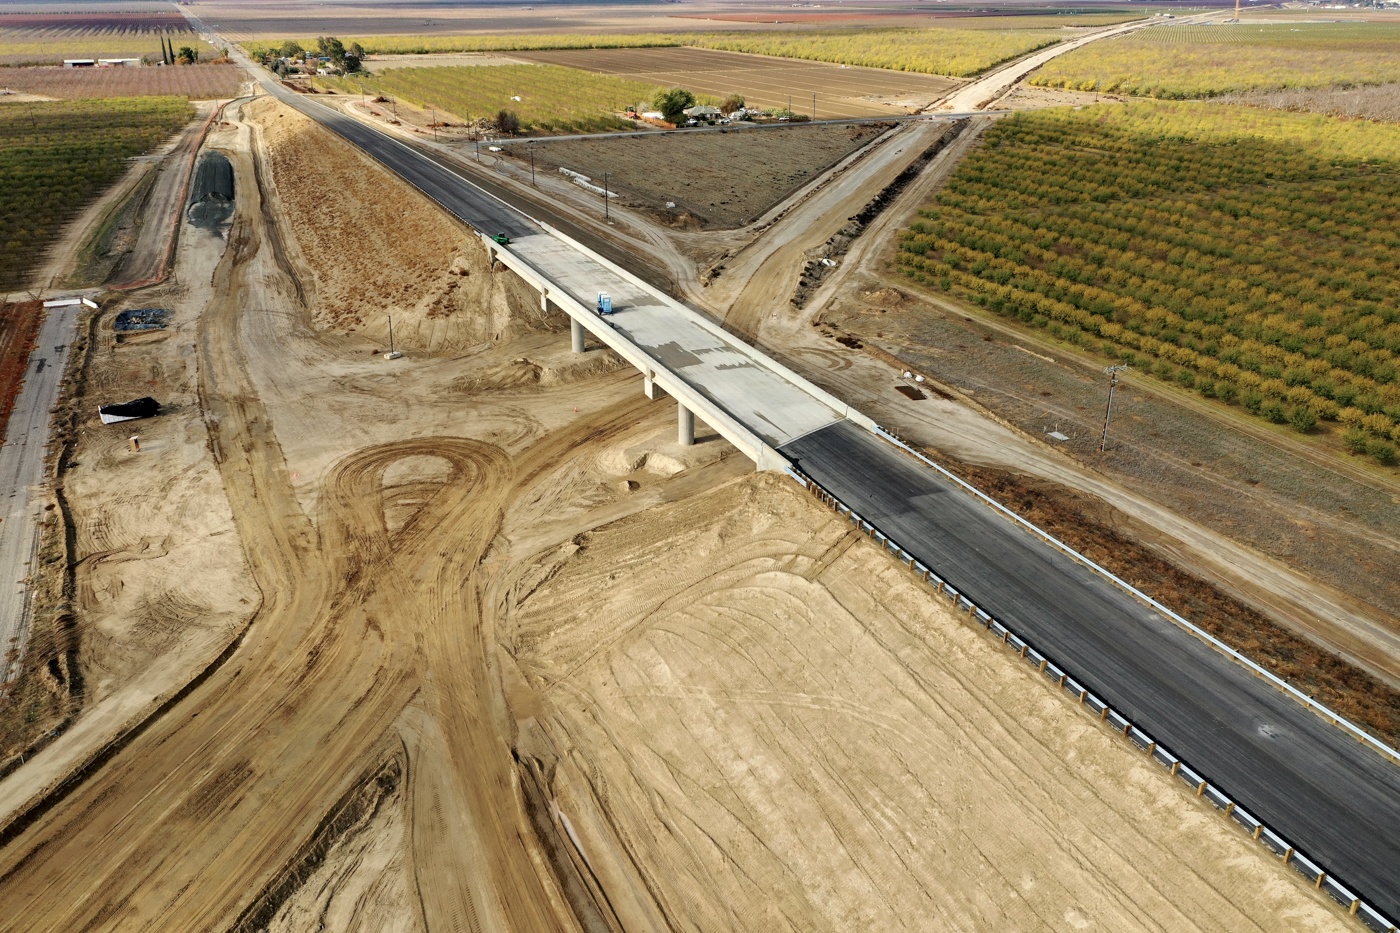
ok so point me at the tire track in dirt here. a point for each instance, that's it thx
(220, 793)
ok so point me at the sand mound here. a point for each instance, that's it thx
(376, 247)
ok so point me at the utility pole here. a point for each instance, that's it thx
(1113, 372)
(605, 196)
(532, 167)
(814, 106)
(434, 113)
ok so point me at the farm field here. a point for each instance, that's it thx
(696, 171)
(202, 82)
(552, 100)
(1247, 255)
(763, 82)
(56, 156)
(48, 38)
(957, 53)
(1365, 102)
(1203, 61)
(423, 45)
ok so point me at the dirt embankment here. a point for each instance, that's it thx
(369, 258)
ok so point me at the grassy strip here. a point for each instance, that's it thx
(552, 99)
(1249, 255)
(1076, 519)
(55, 157)
(1203, 61)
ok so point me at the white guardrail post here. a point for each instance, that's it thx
(1101, 710)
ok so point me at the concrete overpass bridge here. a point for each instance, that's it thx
(1315, 788)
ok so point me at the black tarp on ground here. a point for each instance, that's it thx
(127, 411)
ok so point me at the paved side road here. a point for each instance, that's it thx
(1333, 798)
(22, 469)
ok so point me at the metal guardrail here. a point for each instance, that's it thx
(1060, 674)
(1332, 716)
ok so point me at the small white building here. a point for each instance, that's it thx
(80, 63)
(119, 62)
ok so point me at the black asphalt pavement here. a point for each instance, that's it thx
(1331, 797)
(485, 206)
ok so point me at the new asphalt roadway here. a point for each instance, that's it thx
(1335, 799)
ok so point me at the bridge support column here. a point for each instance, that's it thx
(577, 330)
(686, 434)
(649, 387)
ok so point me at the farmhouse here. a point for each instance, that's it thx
(703, 112)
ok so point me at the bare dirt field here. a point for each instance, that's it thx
(715, 179)
(518, 661)
(841, 91)
(197, 82)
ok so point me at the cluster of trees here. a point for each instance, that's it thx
(1238, 269)
(57, 156)
(343, 60)
(187, 55)
(1203, 61)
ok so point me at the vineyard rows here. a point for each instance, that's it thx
(1203, 61)
(1240, 267)
(56, 157)
(205, 82)
(552, 99)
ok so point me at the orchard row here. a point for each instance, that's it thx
(1278, 288)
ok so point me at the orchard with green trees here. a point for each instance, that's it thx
(56, 156)
(1261, 270)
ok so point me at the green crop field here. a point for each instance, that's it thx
(1202, 61)
(552, 99)
(1251, 256)
(57, 156)
(939, 51)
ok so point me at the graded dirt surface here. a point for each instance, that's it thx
(779, 728)
(518, 661)
(763, 81)
(719, 179)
